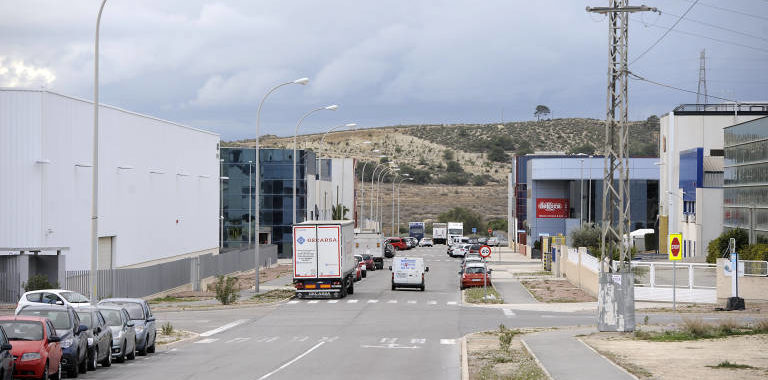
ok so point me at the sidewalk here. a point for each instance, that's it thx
(506, 265)
(564, 357)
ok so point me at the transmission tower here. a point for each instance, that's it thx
(701, 93)
(616, 309)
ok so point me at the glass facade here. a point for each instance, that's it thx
(745, 198)
(238, 194)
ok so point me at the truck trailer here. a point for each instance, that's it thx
(455, 229)
(439, 233)
(370, 243)
(323, 258)
(416, 230)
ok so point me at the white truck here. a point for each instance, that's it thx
(408, 272)
(455, 229)
(440, 233)
(370, 243)
(323, 258)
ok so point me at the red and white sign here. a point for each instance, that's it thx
(551, 208)
(675, 240)
(485, 251)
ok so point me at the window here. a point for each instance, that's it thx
(113, 317)
(3, 340)
(61, 319)
(23, 330)
(35, 297)
(51, 298)
(51, 330)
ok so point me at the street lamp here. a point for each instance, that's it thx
(392, 171)
(373, 177)
(581, 195)
(250, 196)
(332, 107)
(300, 81)
(398, 200)
(317, 159)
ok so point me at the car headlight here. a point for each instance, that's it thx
(139, 329)
(30, 356)
(67, 342)
(90, 341)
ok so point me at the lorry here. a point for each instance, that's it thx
(370, 243)
(416, 230)
(323, 258)
(439, 233)
(455, 229)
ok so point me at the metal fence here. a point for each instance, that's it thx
(152, 279)
(10, 280)
(693, 282)
(755, 268)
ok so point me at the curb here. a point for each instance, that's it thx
(193, 337)
(464, 359)
(223, 307)
(609, 360)
(538, 362)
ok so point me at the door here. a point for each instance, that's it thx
(105, 252)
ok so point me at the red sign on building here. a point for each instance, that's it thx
(551, 208)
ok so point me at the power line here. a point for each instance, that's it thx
(713, 39)
(719, 27)
(665, 33)
(638, 77)
(730, 10)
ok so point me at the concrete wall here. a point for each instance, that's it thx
(751, 288)
(577, 273)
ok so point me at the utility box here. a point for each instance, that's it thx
(616, 302)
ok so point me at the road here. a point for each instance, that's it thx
(376, 333)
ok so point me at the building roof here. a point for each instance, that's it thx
(757, 108)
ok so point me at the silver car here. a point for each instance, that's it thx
(141, 315)
(123, 332)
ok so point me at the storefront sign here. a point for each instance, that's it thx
(551, 208)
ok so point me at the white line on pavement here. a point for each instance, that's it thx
(392, 301)
(223, 328)
(411, 301)
(451, 302)
(351, 301)
(432, 303)
(373, 301)
(294, 360)
(209, 340)
(237, 340)
(508, 312)
(333, 301)
(447, 341)
(293, 302)
(313, 301)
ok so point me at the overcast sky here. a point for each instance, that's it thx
(208, 63)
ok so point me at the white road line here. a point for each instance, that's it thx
(411, 301)
(223, 328)
(373, 301)
(388, 340)
(329, 338)
(294, 360)
(267, 339)
(209, 340)
(431, 302)
(299, 338)
(509, 312)
(352, 301)
(237, 340)
(293, 302)
(447, 341)
(418, 341)
(313, 301)
(392, 301)
(451, 303)
(333, 301)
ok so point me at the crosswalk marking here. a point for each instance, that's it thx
(392, 301)
(388, 340)
(293, 302)
(432, 303)
(333, 301)
(209, 340)
(299, 338)
(418, 341)
(351, 301)
(237, 340)
(451, 303)
(313, 301)
(329, 338)
(447, 341)
(509, 312)
(411, 301)
(267, 339)
(373, 301)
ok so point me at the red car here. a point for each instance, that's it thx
(36, 347)
(361, 266)
(369, 264)
(398, 243)
(472, 275)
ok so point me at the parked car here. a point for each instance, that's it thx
(492, 242)
(472, 240)
(7, 361)
(361, 265)
(141, 315)
(369, 264)
(99, 337)
(389, 251)
(398, 243)
(472, 275)
(460, 250)
(74, 340)
(123, 332)
(408, 272)
(425, 242)
(474, 248)
(52, 297)
(482, 240)
(414, 241)
(408, 242)
(34, 345)
(472, 257)
(358, 273)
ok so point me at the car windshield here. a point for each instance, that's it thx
(112, 317)
(135, 311)
(23, 330)
(367, 257)
(74, 297)
(358, 259)
(474, 270)
(60, 318)
(85, 318)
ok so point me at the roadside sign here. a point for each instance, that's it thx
(474, 230)
(485, 251)
(675, 242)
(490, 231)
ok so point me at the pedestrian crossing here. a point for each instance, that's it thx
(375, 301)
(368, 342)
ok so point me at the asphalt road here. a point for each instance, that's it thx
(375, 334)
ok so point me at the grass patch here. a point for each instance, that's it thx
(171, 299)
(695, 329)
(273, 295)
(475, 295)
(510, 361)
(727, 364)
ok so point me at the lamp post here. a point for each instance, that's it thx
(317, 159)
(250, 196)
(581, 195)
(362, 193)
(301, 81)
(398, 201)
(378, 195)
(221, 204)
(95, 180)
(393, 203)
(373, 177)
(333, 107)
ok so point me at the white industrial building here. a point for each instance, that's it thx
(335, 185)
(691, 172)
(158, 182)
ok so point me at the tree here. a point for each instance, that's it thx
(541, 110)
(587, 236)
(523, 148)
(585, 149)
(497, 154)
(652, 121)
(498, 225)
(468, 217)
(454, 167)
(719, 246)
(339, 212)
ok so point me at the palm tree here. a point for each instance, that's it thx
(339, 212)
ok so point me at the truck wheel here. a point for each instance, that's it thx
(343, 292)
(422, 286)
(351, 289)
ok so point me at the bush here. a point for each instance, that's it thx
(588, 236)
(226, 292)
(505, 337)
(39, 282)
(459, 179)
(652, 242)
(754, 252)
(497, 154)
(718, 247)
(479, 180)
(167, 328)
(453, 167)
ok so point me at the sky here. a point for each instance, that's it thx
(207, 64)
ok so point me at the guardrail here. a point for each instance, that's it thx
(693, 282)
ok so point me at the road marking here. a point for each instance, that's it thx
(313, 301)
(432, 303)
(418, 341)
(508, 312)
(294, 360)
(333, 301)
(293, 302)
(388, 340)
(352, 301)
(237, 340)
(299, 338)
(223, 328)
(411, 301)
(267, 339)
(549, 316)
(329, 339)
(204, 341)
(447, 341)
(392, 301)
(373, 301)
(451, 302)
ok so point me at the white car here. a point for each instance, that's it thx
(52, 297)
(408, 272)
(492, 242)
(425, 242)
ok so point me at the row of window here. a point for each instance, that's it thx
(747, 174)
(746, 196)
(750, 131)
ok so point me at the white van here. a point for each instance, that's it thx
(408, 272)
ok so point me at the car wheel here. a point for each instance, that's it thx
(107, 361)
(151, 349)
(143, 351)
(121, 356)
(83, 367)
(422, 286)
(92, 359)
(72, 372)
(393, 286)
(132, 355)
(57, 375)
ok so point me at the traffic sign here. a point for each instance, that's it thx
(490, 231)
(485, 251)
(474, 230)
(675, 241)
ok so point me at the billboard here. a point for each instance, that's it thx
(552, 208)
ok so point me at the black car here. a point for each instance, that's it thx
(6, 358)
(389, 251)
(99, 337)
(141, 315)
(74, 339)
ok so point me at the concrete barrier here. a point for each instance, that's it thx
(751, 288)
(580, 269)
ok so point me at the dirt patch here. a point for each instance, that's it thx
(246, 281)
(487, 360)
(700, 359)
(556, 291)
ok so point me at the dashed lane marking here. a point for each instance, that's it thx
(451, 303)
(205, 341)
(447, 341)
(238, 340)
(333, 301)
(373, 301)
(223, 328)
(432, 303)
(392, 301)
(313, 301)
(411, 301)
(509, 312)
(293, 302)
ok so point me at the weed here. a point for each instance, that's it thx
(226, 292)
(167, 328)
(760, 326)
(646, 319)
(727, 364)
(273, 295)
